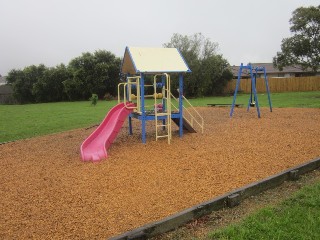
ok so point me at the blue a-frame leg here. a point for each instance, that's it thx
(268, 90)
(263, 69)
(236, 90)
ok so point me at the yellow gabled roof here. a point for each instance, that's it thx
(153, 60)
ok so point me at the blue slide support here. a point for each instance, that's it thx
(129, 118)
(180, 105)
(130, 125)
(143, 112)
(163, 82)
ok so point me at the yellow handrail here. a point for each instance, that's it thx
(124, 95)
(186, 110)
(119, 97)
(201, 125)
(128, 85)
(193, 119)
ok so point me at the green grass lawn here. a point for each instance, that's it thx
(25, 121)
(295, 218)
(290, 99)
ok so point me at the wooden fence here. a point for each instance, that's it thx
(295, 84)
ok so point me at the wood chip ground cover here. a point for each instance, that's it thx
(47, 192)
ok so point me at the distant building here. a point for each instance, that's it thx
(272, 72)
(6, 92)
(3, 80)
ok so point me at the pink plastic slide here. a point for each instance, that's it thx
(94, 148)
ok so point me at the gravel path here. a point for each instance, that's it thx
(47, 192)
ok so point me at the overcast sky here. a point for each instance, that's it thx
(55, 31)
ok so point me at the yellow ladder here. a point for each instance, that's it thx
(166, 96)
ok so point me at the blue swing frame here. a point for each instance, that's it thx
(253, 75)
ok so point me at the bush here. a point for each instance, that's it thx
(108, 97)
(94, 99)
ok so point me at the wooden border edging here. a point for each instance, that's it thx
(229, 199)
(223, 105)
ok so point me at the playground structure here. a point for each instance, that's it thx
(147, 76)
(253, 100)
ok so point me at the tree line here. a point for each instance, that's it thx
(84, 75)
(98, 73)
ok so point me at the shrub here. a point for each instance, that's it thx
(94, 99)
(108, 97)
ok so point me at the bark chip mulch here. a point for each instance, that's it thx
(47, 192)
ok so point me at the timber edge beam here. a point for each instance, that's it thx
(230, 199)
(223, 105)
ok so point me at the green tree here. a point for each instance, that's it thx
(72, 89)
(210, 71)
(23, 81)
(93, 73)
(214, 75)
(303, 48)
(87, 74)
(50, 88)
(15, 79)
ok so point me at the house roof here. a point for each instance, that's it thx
(153, 60)
(269, 69)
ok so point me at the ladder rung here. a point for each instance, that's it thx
(162, 114)
(162, 125)
(162, 136)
